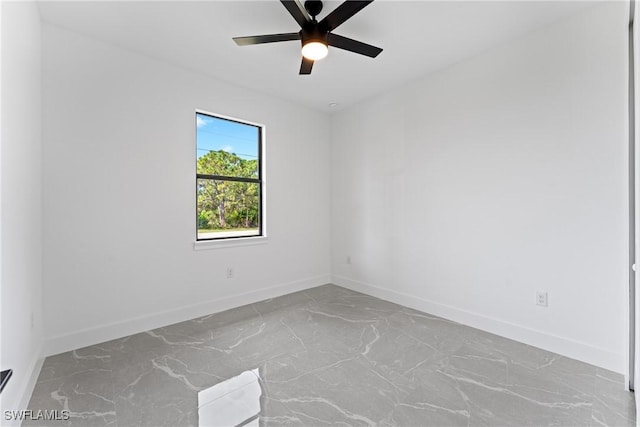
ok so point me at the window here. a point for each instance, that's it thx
(229, 183)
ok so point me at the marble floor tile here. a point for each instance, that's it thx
(87, 395)
(329, 291)
(612, 405)
(330, 356)
(533, 400)
(158, 391)
(72, 362)
(347, 392)
(432, 399)
(285, 302)
(445, 335)
(396, 354)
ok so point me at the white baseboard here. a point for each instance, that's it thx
(557, 344)
(561, 345)
(26, 390)
(95, 335)
(636, 396)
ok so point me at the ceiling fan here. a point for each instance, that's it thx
(317, 36)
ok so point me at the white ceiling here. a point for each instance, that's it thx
(418, 37)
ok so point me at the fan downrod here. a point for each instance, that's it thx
(314, 7)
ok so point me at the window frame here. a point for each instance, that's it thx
(249, 239)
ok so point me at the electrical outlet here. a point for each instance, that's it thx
(542, 299)
(230, 273)
(348, 259)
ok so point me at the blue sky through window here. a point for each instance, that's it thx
(214, 134)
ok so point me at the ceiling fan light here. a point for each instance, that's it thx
(314, 50)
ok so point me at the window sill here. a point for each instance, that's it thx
(203, 245)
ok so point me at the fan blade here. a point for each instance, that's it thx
(269, 38)
(306, 66)
(352, 45)
(341, 13)
(296, 10)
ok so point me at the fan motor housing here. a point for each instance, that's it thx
(312, 33)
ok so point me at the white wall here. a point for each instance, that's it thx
(119, 195)
(636, 238)
(21, 190)
(465, 192)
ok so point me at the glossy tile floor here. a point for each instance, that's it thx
(330, 356)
